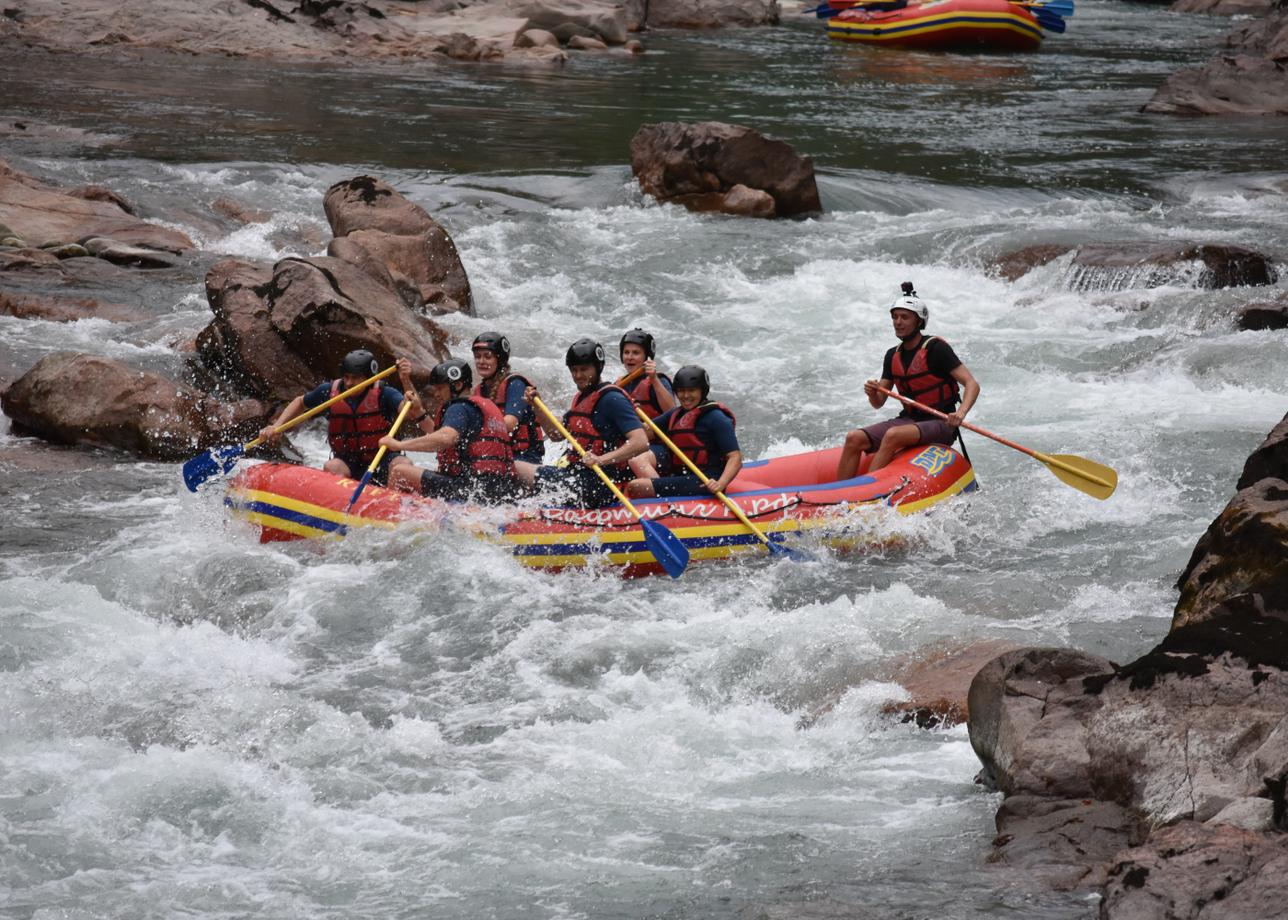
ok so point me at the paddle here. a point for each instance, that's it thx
(665, 546)
(631, 377)
(1059, 7)
(775, 548)
(380, 455)
(1049, 21)
(217, 459)
(1085, 475)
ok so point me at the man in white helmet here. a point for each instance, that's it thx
(920, 367)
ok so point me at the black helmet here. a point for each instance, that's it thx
(637, 336)
(494, 342)
(360, 363)
(691, 376)
(585, 351)
(454, 372)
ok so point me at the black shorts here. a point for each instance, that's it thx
(680, 486)
(358, 466)
(464, 488)
(930, 431)
(580, 484)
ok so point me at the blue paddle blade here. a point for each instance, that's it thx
(1048, 20)
(822, 11)
(210, 463)
(1059, 7)
(794, 555)
(362, 484)
(666, 547)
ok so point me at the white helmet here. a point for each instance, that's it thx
(912, 303)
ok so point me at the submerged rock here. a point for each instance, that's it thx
(1019, 262)
(1258, 316)
(63, 309)
(70, 398)
(702, 165)
(1145, 264)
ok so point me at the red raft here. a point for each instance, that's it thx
(939, 25)
(786, 497)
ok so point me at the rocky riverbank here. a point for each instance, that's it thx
(1160, 783)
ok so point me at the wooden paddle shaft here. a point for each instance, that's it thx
(729, 502)
(621, 497)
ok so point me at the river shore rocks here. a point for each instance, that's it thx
(1145, 263)
(713, 166)
(1247, 78)
(1160, 782)
(358, 30)
(69, 398)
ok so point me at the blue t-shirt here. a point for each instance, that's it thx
(514, 402)
(714, 428)
(391, 400)
(614, 416)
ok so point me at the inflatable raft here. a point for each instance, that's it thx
(940, 25)
(786, 497)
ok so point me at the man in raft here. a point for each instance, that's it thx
(602, 419)
(651, 391)
(506, 388)
(475, 459)
(355, 425)
(920, 367)
(704, 431)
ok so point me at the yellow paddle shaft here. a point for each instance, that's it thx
(621, 497)
(380, 454)
(305, 416)
(729, 502)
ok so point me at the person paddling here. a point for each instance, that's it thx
(506, 388)
(355, 425)
(920, 367)
(650, 390)
(704, 431)
(475, 457)
(602, 419)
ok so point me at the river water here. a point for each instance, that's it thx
(197, 725)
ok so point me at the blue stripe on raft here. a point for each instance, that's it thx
(297, 517)
(878, 29)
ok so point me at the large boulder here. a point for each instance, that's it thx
(278, 331)
(701, 165)
(1248, 78)
(1264, 315)
(396, 241)
(938, 682)
(710, 14)
(607, 21)
(38, 213)
(1067, 843)
(1127, 264)
(1239, 562)
(70, 398)
(1019, 262)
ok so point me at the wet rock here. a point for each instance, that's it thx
(1194, 871)
(380, 224)
(1247, 79)
(279, 332)
(709, 14)
(64, 309)
(36, 211)
(239, 211)
(634, 46)
(85, 399)
(583, 43)
(604, 21)
(66, 250)
(1065, 843)
(691, 164)
(1251, 814)
(1019, 262)
(938, 681)
(25, 258)
(119, 253)
(1223, 7)
(99, 193)
(536, 38)
(1259, 316)
(1147, 264)
(1238, 563)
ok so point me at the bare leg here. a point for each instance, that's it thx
(337, 467)
(525, 472)
(644, 465)
(856, 442)
(642, 487)
(896, 439)
(405, 476)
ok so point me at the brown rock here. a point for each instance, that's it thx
(1248, 79)
(83, 399)
(604, 21)
(19, 259)
(585, 43)
(938, 681)
(1019, 262)
(1195, 872)
(1260, 316)
(684, 162)
(99, 193)
(634, 46)
(1223, 7)
(63, 309)
(239, 211)
(747, 202)
(1135, 263)
(38, 213)
(536, 38)
(709, 14)
(1066, 843)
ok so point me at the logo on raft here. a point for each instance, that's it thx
(933, 460)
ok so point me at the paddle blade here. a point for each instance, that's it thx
(362, 484)
(1096, 479)
(795, 555)
(1059, 7)
(210, 463)
(666, 547)
(1049, 21)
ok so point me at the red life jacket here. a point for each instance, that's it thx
(581, 426)
(682, 429)
(525, 434)
(917, 382)
(644, 396)
(487, 452)
(355, 432)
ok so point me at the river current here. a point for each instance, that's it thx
(403, 727)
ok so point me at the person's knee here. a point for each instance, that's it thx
(640, 488)
(857, 440)
(337, 467)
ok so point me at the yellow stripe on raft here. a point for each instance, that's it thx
(895, 31)
(958, 486)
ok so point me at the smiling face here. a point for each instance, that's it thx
(906, 323)
(485, 362)
(689, 397)
(633, 355)
(584, 375)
